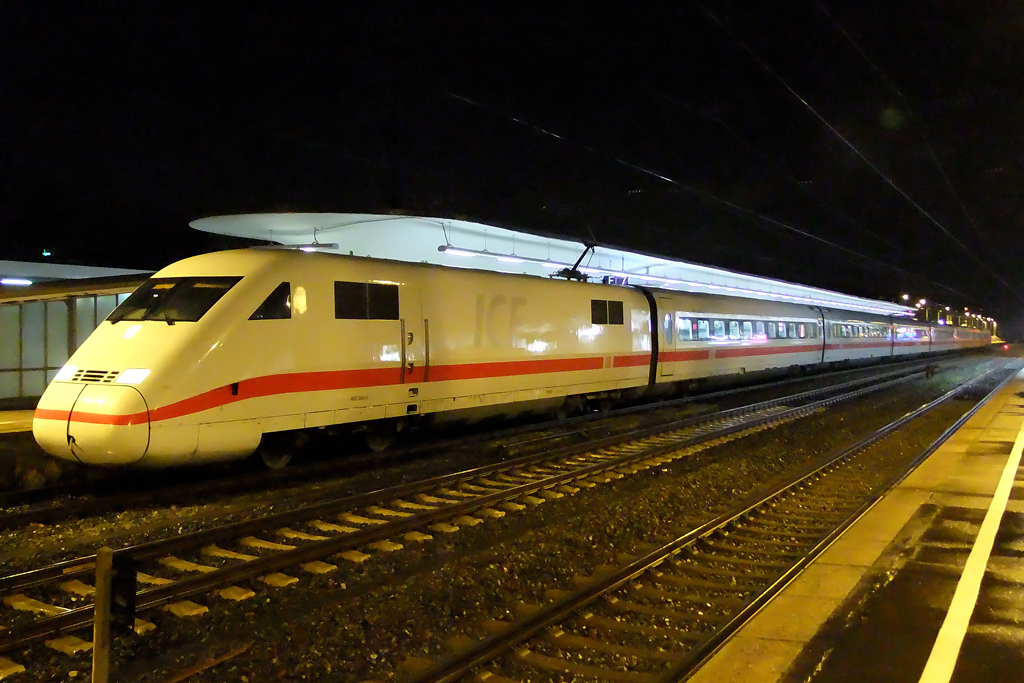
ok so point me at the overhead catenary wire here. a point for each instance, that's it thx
(852, 147)
(651, 89)
(702, 194)
(906, 105)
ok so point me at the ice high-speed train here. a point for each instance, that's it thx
(220, 353)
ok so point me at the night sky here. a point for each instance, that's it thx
(869, 147)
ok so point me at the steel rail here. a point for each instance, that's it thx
(157, 596)
(81, 566)
(49, 513)
(526, 627)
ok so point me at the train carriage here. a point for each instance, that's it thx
(222, 354)
(704, 336)
(854, 337)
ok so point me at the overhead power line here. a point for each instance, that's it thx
(906, 105)
(852, 147)
(707, 196)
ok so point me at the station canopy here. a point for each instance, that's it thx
(466, 244)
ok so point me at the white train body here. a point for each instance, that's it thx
(218, 350)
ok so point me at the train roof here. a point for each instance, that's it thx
(461, 243)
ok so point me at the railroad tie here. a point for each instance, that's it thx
(217, 551)
(235, 593)
(184, 565)
(278, 580)
(69, 645)
(413, 506)
(24, 603)
(321, 525)
(253, 542)
(354, 556)
(151, 580)
(456, 494)
(186, 608)
(78, 588)
(356, 519)
(434, 500)
(387, 512)
(299, 535)
(318, 567)
(9, 668)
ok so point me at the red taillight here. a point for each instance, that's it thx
(1006, 347)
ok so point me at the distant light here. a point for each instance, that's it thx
(47, 252)
(923, 302)
(15, 281)
(947, 308)
(906, 297)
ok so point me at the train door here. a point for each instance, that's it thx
(666, 338)
(414, 337)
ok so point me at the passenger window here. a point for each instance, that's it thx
(598, 312)
(782, 330)
(703, 331)
(792, 330)
(759, 329)
(277, 306)
(719, 329)
(734, 329)
(803, 331)
(615, 313)
(365, 301)
(668, 328)
(748, 329)
(684, 329)
(771, 330)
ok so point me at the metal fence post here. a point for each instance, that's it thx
(101, 618)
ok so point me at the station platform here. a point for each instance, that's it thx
(927, 586)
(13, 421)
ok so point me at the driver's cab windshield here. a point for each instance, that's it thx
(173, 299)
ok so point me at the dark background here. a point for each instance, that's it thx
(868, 147)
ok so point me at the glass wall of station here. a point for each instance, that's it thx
(38, 337)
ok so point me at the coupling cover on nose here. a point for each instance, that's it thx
(109, 425)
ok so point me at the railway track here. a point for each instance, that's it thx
(656, 618)
(172, 570)
(79, 500)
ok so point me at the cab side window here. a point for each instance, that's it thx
(603, 312)
(277, 306)
(365, 301)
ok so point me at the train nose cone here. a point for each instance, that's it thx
(97, 424)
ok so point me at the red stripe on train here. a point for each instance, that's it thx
(744, 351)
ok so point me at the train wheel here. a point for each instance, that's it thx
(380, 436)
(277, 450)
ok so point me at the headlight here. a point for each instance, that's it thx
(65, 373)
(132, 376)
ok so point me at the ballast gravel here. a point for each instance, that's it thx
(362, 621)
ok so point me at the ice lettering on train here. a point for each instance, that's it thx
(497, 318)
